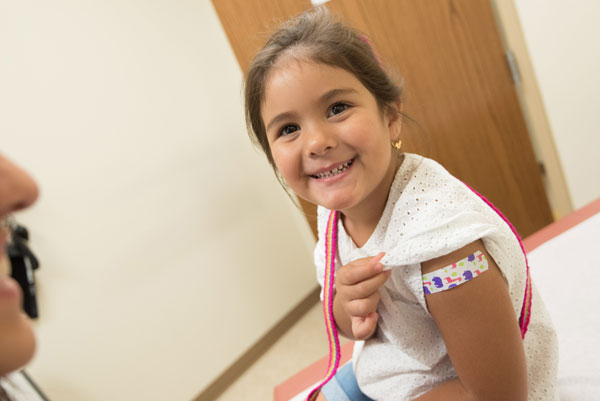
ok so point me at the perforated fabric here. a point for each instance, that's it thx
(429, 213)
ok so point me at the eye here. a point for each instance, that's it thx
(337, 109)
(288, 130)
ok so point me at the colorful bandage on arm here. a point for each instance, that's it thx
(455, 274)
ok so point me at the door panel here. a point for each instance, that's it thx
(459, 95)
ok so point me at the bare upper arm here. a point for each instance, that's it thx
(479, 327)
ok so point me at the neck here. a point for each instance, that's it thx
(361, 221)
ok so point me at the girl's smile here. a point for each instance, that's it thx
(327, 174)
(329, 137)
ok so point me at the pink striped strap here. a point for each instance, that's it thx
(527, 298)
(332, 334)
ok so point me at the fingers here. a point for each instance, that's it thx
(357, 285)
(364, 327)
(363, 307)
(360, 270)
(367, 287)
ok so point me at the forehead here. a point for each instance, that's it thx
(292, 83)
(292, 72)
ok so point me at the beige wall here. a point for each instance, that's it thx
(562, 40)
(167, 246)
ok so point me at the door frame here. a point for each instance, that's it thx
(534, 112)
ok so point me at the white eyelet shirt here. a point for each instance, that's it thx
(430, 213)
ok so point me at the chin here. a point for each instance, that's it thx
(17, 344)
(336, 203)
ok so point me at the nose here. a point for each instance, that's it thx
(319, 140)
(17, 189)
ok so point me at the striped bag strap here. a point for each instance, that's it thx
(332, 334)
(527, 298)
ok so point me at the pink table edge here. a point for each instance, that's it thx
(313, 373)
(561, 225)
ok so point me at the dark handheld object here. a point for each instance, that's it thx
(23, 263)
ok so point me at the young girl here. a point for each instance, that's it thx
(427, 273)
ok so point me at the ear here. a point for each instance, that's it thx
(394, 119)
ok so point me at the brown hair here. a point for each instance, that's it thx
(317, 36)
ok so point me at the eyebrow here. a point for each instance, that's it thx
(335, 92)
(323, 99)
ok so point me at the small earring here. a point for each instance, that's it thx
(397, 144)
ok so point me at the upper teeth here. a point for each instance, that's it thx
(335, 171)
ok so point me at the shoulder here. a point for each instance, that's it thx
(433, 213)
(430, 190)
(423, 188)
(420, 178)
(423, 166)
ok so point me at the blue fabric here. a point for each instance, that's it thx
(343, 386)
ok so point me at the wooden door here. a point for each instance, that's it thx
(458, 89)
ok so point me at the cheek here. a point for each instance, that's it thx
(372, 136)
(286, 160)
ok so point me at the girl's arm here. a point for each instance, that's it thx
(478, 324)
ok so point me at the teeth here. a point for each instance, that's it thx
(335, 171)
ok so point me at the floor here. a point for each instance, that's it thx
(302, 345)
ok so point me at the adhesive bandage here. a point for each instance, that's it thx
(455, 274)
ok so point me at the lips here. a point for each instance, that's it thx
(9, 289)
(334, 171)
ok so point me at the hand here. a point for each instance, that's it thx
(357, 285)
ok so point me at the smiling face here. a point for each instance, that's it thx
(17, 191)
(329, 138)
